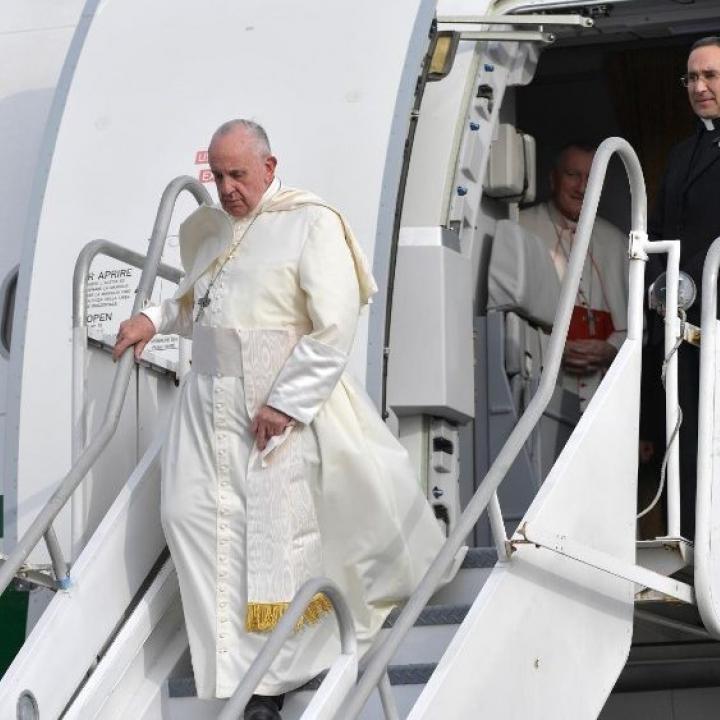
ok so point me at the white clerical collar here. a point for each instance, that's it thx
(272, 190)
(709, 123)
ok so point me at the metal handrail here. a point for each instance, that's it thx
(117, 252)
(672, 407)
(79, 351)
(704, 581)
(517, 439)
(285, 628)
(42, 525)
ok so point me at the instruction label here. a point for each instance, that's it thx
(111, 289)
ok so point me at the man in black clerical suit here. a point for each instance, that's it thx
(688, 208)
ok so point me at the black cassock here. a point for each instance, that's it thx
(688, 209)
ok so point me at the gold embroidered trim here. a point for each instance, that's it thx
(263, 617)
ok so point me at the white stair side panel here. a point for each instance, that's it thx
(34, 38)
(131, 674)
(108, 573)
(548, 636)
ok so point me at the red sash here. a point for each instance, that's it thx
(601, 328)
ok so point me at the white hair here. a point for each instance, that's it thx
(256, 131)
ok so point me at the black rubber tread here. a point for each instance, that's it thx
(417, 674)
(480, 557)
(434, 615)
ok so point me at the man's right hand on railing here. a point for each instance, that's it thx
(137, 331)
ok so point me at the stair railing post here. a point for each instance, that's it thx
(672, 408)
(387, 699)
(705, 570)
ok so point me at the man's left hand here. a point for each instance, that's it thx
(585, 357)
(267, 423)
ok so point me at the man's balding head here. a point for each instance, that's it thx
(242, 165)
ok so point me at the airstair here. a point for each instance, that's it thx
(517, 628)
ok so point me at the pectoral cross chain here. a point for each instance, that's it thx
(203, 302)
(591, 323)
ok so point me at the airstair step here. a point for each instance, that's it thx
(473, 573)
(407, 682)
(412, 665)
(480, 557)
(295, 705)
(426, 642)
(433, 615)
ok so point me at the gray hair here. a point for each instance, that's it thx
(584, 145)
(708, 41)
(255, 130)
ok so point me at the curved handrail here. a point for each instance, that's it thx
(348, 642)
(117, 252)
(43, 522)
(79, 352)
(497, 472)
(706, 410)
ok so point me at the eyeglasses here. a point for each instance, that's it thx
(707, 76)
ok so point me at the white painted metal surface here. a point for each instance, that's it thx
(542, 620)
(570, 548)
(432, 319)
(34, 37)
(128, 682)
(707, 512)
(107, 575)
(336, 106)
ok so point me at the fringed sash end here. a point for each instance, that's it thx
(263, 617)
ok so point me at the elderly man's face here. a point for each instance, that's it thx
(241, 173)
(569, 180)
(704, 94)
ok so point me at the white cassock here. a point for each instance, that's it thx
(604, 283)
(338, 497)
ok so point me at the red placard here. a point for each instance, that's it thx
(205, 175)
(201, 157)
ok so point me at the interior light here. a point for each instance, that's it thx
(687, 293)
(443, 56)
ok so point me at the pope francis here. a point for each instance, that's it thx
(277, 466)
